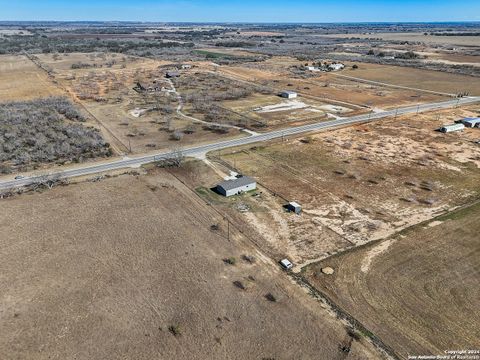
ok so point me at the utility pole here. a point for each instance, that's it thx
(396, 113)
(418, 108)
(228, 227)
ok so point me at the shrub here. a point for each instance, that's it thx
(46, 130)
(230, 261)
(175, 330)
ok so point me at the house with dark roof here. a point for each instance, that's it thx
(172, 74)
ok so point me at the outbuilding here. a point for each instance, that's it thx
(471, 122)
(286, 264)
(336, 67)
(172, 74)
(289, 94)
(236, 186)
(452, 128)
(294, 207)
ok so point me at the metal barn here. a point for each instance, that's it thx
(236, 186)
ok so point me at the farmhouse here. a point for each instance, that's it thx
(451, 128)
(336, 67)
(288, 94)
(172, 74)
(236, 186)
(471, 122)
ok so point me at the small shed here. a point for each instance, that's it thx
(294, 207)
(289, 94)
(452, 128)
(286, 264)
(336, 67)
(236, 186)
(172, 74)
(471, 122)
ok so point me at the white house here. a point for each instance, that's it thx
(288, 94)
(236, 186)
(336, 67)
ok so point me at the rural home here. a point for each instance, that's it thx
(236, 186)
(451, 128)
(336, 67)
(471, 122)
(288, 94)
(172, 74)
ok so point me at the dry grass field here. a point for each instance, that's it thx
(417, 290)
(129, 267)
(417, 78)
(328, 87)
(21, 80)
(357, 184)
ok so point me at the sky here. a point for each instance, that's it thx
(314, 11)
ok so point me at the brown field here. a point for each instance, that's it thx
(113, 269)
(415, 37)
(21, 80)
(328, 87)
(455, 58)
(356, 184)
(417, 78)
(418, 290)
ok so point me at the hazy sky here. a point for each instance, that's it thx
(242, 10)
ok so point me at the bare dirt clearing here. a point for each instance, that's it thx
(418, 291)
(130, 267)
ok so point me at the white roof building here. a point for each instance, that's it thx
(336, 66)
(451, 128)
(288, 94)
(471, 122)
(237, 186)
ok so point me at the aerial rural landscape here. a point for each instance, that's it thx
(233, 189)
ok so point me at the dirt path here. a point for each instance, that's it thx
(180, 112)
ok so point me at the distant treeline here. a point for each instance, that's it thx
(456, 34)
(47, 45)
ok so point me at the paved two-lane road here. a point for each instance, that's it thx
(202, 149)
